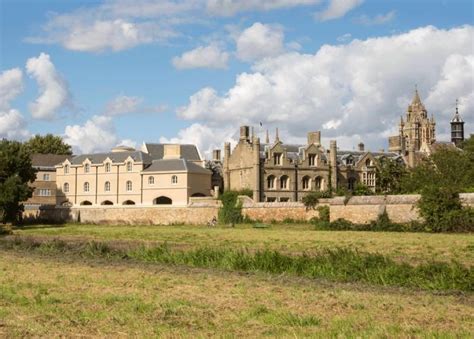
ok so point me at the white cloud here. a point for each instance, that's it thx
(348, 90)
(344, 38)
(11, 84)
(123, 105)
(379, 19)
(202, 57)
(54, 93)
(12, 123)
(231, 7)
(337, 9)
(260, 41)
(97, 134)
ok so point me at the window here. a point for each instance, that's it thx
(284, 182)
(306, 183)
(312, 159)
(368, 179)
(369, 163)
(66, 187)
(349, 161)
(271, 182)
(86, 187)
(128, 186)
(44, 192)
(129, 166)
(174, 179)
(271, 199)
(66, 169)
(277, 158)
(318, 182)
(107, 186)
(46, 177)
(284, 199)
(151, 180)
(87, 168)
(351, 184)
(107, 167)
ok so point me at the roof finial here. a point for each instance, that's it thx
(457, 103)
(267, 138)
(277, 138)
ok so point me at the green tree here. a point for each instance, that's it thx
(15, 174)
(390, 174)
(48, 144)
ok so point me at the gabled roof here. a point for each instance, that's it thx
(116, 157)
(47, 161)
(176, 165)
(188, 151)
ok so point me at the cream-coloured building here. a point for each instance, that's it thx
(159, 174)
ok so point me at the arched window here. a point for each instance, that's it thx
(107, 202)
(66, 169)
(86, 203)
(107, 167)
(284, 182)
(174, 179)
(318, 183)
(128, 202)
(368, 163)
(87, 168)
(271, 182)
(129, 166)
(66, 187)
(151, 180)
(162, 201)
(128, 186)
(107, 186)
(306, 183)
(86, 187)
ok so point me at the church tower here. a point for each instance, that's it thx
(457, 128)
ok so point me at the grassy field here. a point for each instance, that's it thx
(293, 239)
(52, 290)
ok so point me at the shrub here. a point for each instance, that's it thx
(324, 213)
(311, 199)
(246, 191)
(231, 210)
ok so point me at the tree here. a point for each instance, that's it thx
(390, 174)
(15, 174)
(48, 144)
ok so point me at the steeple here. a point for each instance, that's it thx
(457, 128)
(457, 117)
(277, 138)
(416, 98)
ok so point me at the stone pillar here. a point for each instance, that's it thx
(216, 155)
(226, 166)
(333, 163)
(244, 133)
(256, 167)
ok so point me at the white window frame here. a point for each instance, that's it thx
(66, 187)
(107, 186)
(86, 187)
(128, 186)
(151, 180)
(174, 180)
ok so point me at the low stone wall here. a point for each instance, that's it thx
(400, 208)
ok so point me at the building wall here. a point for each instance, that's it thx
(41, 184)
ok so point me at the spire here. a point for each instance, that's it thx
(277, 138)
(267, 138)
(416, 97)
(401, 121)
(457, 117)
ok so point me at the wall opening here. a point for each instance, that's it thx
(162, 201)
(128, 202)
(196, 195)
(107, 202)
(86, 203)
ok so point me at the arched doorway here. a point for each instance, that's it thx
(128, 202)
(162, 201)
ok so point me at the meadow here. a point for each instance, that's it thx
(188, 281)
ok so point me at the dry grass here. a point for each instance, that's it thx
(52, 296)
(409, 247)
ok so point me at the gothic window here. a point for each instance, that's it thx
(284, 182)
(86, 187)
(107, 167)
(271, 182)
(312, 159)
(66, 187)
(318, 182)
(107, 186)
(128, 186)
(277, 158)
(151, 180)
(306, 183)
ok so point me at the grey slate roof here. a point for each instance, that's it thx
(170, 165)
(47, 161)
(188, 152)
(98, 158)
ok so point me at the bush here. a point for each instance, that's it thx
(311, 199)
(231, 210)
(246, 191)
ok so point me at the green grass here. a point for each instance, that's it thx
(290, 239)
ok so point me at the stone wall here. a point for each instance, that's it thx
(400, 208)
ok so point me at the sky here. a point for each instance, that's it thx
(110, 72)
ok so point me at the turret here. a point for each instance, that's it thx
(457, 128)
(256, 166)
(226, 166)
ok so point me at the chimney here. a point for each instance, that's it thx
(244, 133)
(361, 147)
(216, 155)
(314, 138)
(333, 163)
(172, 151)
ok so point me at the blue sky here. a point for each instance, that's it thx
(101, 73)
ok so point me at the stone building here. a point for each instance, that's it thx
(45, 192)
(287, 172)
(159, 174)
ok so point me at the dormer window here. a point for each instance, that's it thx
(312, 159)
(66, 169)
(277, 158)
(369, 163)
(349, 161)
(87, 168)
(107, 167)
(129, 166)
